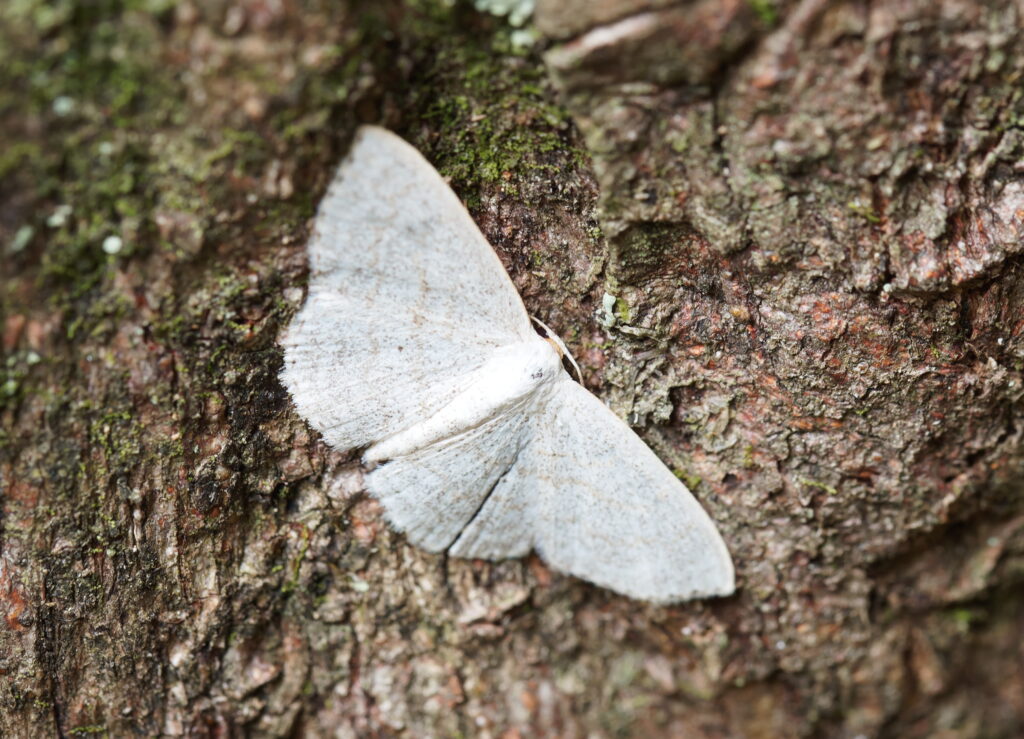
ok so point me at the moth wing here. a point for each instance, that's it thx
(406, 298)
(433, 493)
(600, 506)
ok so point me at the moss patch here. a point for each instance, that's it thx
(489, 108)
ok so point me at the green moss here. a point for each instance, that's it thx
(819, 485)
(118, 435)
(689, 479)
(766, 10)
(120, 143)
(490, 109)
(293, 582)
(622, 310)
(83, 71)
(864, 211)
(88, 730)
(13, 374)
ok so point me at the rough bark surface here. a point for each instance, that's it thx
(782, 238)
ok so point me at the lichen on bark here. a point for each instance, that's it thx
(808, 226)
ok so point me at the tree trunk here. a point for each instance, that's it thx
(783, 239)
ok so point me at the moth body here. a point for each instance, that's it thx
(512, 374)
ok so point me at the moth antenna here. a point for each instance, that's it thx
(563, 350)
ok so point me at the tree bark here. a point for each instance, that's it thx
(782, 238)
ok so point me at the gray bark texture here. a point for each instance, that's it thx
(782, 238)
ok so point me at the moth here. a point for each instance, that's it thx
(414, 345)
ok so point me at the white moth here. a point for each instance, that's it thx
(414, 343)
